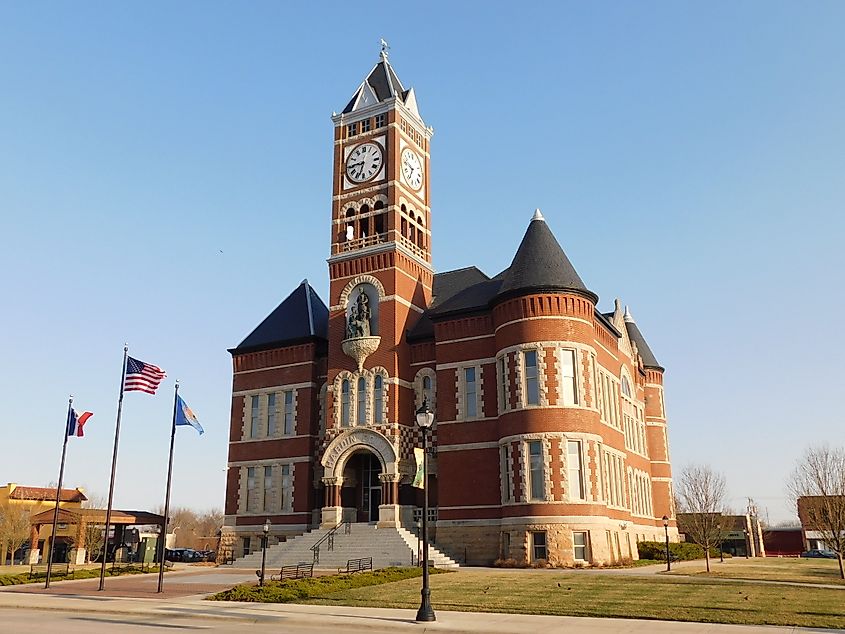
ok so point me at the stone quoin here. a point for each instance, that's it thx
(550, 438)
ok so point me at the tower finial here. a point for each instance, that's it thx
(537, 215)
(384, 48)
(629, 318)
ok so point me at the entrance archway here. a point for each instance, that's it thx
(361, 479)
(362, 486)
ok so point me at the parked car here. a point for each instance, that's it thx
(817, 553)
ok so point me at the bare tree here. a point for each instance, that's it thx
(700, 494)
(94, 534)
(818, 486)
(14, 527)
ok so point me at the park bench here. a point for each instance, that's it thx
(59, 570)
(294, 571)
(358, 565)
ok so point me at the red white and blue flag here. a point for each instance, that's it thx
(75, 422)
(142, 377)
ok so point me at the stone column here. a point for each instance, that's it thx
(332, 512)
(388, 510)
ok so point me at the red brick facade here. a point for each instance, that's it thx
(550, 434)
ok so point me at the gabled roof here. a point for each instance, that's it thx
(380, 85)
(301, 316)
(540, 265)
(46, 494)
(649, 360)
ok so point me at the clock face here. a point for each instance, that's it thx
(364, 162)
(412, 168)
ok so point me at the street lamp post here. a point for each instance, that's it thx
(745, 531)
(266, 530)
(666, 530)
(425, 418)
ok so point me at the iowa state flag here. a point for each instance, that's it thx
(75, 422)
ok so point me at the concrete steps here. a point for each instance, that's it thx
(387, 547)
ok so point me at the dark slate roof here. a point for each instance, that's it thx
(541, 265)
(302, 315)
(445, 287)
(647, 355)
(384, 82)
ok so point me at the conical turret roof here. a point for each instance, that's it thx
(540, 265)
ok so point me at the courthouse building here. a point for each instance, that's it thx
(550, 437)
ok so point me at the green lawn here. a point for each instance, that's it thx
(825, 571)
(607, 594)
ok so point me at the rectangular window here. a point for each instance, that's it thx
(288, 430)
(570, 385)
(470, 393)
(250, 489)
(579, 545)
(362, 401)
(532, 387)
(576, 479)
(246, 546)
(365, 125)
(268, 488)
(253, 418)
(352, 129)
(271, 414)
(380, 120)
(287, 488)
(535, 475)
(503, 385)
(507, 494)
(538, 543)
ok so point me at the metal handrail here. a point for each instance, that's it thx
(329, 538)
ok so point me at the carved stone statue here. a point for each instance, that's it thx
(358, 322)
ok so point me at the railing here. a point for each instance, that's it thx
(328, 539)
(366, 241)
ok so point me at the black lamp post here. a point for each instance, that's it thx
(266, 530)
(425, 418)
(721, 556)
(745, 531)
(666, 530)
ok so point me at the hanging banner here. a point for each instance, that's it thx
(419, 476)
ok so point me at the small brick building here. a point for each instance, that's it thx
(550, 437)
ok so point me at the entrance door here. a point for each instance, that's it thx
(371, 487)
(375, 501)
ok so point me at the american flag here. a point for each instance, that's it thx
(142, 377)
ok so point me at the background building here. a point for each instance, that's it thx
(550, 437)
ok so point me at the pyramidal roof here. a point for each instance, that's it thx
(302, 315)
(380, 85)
(541, 265)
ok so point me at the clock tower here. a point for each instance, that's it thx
(380, 273)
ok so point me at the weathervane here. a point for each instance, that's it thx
(384, 47)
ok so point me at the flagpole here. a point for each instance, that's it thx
(113, 467)
(58, 495)
(161, 548)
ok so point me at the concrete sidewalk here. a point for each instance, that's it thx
(302, 618)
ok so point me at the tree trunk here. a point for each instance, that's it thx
(707, 558)
(841, 569)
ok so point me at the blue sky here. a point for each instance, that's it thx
(165, 174)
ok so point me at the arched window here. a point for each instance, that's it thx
(420, 232)
(426, 391)
(344, 403)
(404, 227)
(362, 401)
(626, 386)
(378, 398)
(380, 225)
(350, 224)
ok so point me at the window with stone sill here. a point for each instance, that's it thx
(271, 414)
(362, 401)
(532, 384)
(575, 470)
(250, 489)
(536, 475)
(579, 546)
(569, 381)
(365, 125)
(268, 489)
(352, 129)
(470, 393)
(378, 399)
(288, 422)
(345, 419)
(381, 119)
(286, 488)
(539, 547)
(507, 476)
(255, 408)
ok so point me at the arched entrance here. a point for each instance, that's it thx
(361, 479)
(361, 487)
